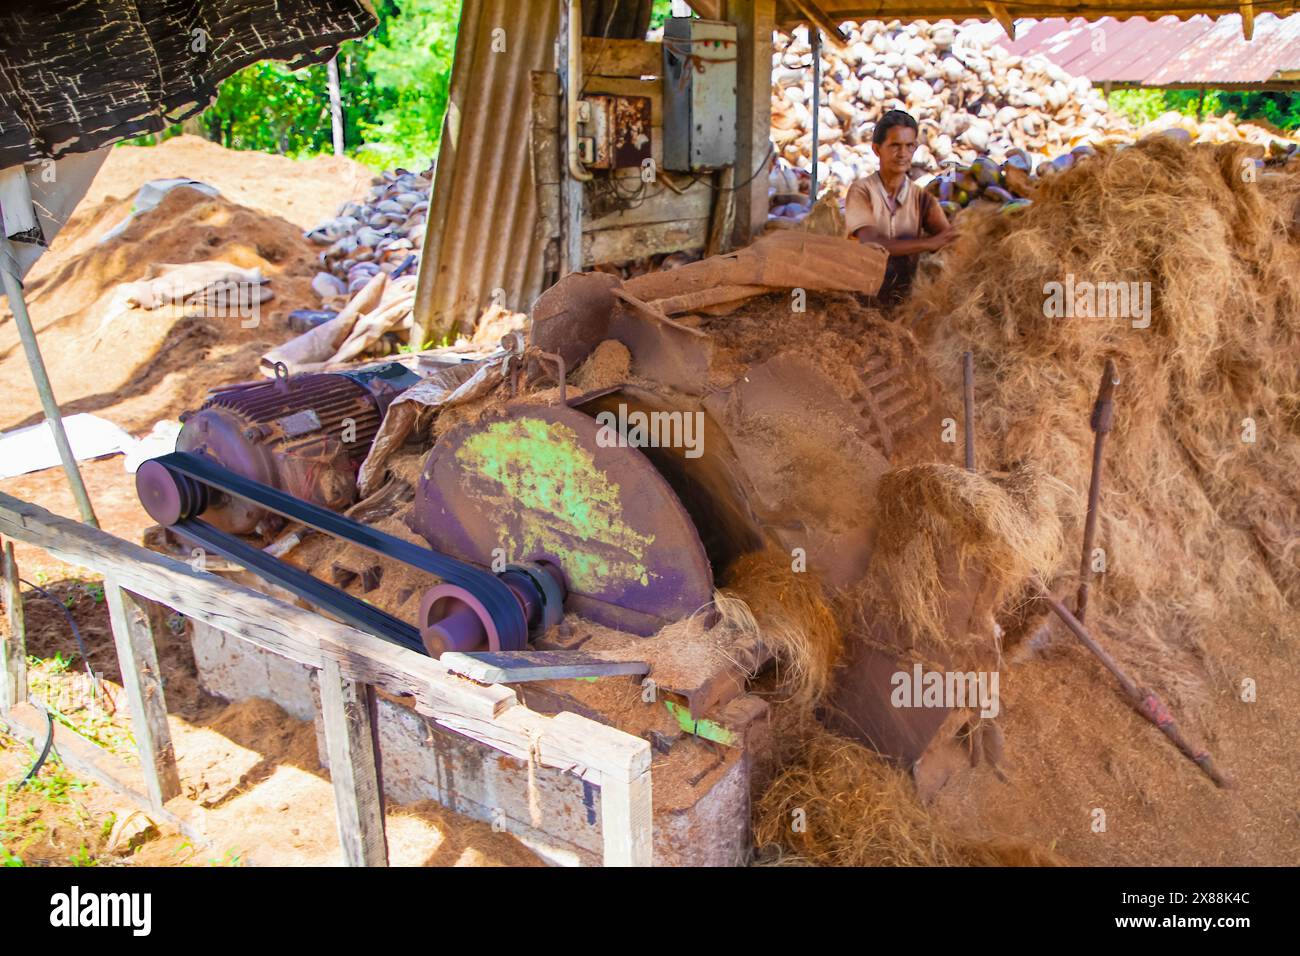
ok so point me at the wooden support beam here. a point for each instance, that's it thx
(1247, 20)
(626, 812)
(823, 22)
(346, 710)
(607, 57)
(137, 658)
(13, 653)
(723, 222)
(513, 667)
(755, 20)
(1000, 14)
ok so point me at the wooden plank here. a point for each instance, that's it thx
(628, 58)
(512, 667)
(349, 740)
(660, 204)
(755, 20)
(723, 214)
(635, 242)
(626, 815)
(545, 89)
(137, 659)
(13, 652)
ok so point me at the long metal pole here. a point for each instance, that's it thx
(816, 106)
(1146, 702)
(968, 403)
(18, 305)
(1103, 415)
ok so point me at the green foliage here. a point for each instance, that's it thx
(1140, 106)
(1282, 109)
(393, 88)
(410, 64)
(83, 857)
(659, 12)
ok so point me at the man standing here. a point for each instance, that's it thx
(886, 209)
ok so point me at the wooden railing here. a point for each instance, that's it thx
(351, 663)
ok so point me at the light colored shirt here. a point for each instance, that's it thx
(900, 216)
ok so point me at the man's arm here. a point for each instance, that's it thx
(936, 223)
(908, 247)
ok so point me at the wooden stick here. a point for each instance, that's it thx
(137, 658)
(13, 654)
(1103, 415)
(358, 797)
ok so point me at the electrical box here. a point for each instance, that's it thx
(614, 131)
(699, 94)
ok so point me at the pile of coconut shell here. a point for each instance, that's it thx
(971, 99)
(382, 233)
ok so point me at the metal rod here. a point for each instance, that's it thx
(1103, 415)
(18, 305)
(968, 401)
(816, 107)
(1145, 702)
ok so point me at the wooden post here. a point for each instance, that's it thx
(755, 20)
(137, 657)
(345, 709)
(13, 655)
(626, 817)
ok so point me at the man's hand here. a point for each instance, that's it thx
(941, 240)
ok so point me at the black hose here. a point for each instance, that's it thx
(45, 751)
(72, 622)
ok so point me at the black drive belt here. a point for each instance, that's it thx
(495, 596)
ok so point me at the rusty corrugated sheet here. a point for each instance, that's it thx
(1168, 52)
(787, 10)
(484, 208)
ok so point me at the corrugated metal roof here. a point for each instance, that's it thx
(481, 235)
(1167, 52)
(787, 10)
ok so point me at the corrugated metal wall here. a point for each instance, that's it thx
(482, 234)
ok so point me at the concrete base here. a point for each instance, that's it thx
(554, 813)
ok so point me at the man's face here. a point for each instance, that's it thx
(895, 153)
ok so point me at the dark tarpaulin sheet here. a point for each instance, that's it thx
(76, 75)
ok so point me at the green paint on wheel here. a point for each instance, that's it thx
(544, 483)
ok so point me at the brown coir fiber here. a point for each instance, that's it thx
(1004, 529)
(839, 804)
(792, 618)
(1194, 518)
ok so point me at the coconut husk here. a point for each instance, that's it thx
(1193, 517)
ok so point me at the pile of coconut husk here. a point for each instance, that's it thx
(382, 233)
(1199, 527)
(1205, 455)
